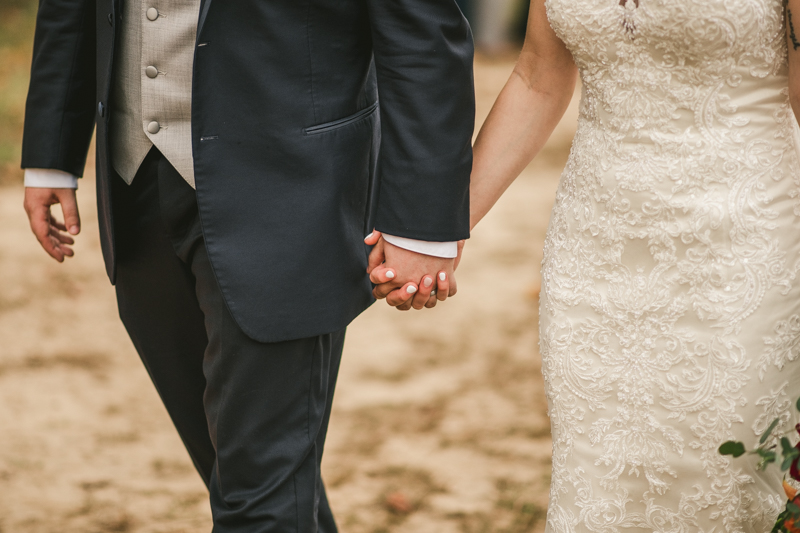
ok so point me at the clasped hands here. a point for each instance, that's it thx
(409, 279)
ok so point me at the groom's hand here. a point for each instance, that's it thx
(54, 236)
(409, 279)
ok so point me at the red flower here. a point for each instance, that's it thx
(786, 523)
(791, 525)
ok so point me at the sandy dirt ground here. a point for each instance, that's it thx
(439, 423)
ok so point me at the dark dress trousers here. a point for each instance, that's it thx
(252, 415)
(313, 121)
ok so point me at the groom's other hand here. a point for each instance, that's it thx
(409, 279)
(53, 235)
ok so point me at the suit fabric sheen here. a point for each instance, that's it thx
(290, 171)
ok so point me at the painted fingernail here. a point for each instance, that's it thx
(442, 276)
(368, 236)
(390, 274)
(433, 292)
(74, 230)
(428, 282)
(411, 289)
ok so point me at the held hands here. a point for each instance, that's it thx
(409, 279)
(54, 236)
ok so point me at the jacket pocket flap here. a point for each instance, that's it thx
(336, 124)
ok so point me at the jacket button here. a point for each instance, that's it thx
(111, 19)
(151, 71)
(152, 14)
(101, 109)
(153, 127)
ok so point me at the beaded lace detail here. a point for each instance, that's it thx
(670, 304)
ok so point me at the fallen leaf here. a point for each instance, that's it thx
(533, 291)
(397, 502)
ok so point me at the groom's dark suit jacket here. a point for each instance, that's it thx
(312, 121)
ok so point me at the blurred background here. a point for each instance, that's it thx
(439, 423)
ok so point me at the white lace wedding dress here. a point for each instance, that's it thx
(670, 305)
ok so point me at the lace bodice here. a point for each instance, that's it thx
(666, 65)
(670, 301)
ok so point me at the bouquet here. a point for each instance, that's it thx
(789, 520)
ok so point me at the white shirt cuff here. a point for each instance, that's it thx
(49, 178)
(446, 250)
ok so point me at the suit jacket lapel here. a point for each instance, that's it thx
(204, 5)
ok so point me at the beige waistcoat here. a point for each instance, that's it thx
(152, 103)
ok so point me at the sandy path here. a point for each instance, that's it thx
(439, 423)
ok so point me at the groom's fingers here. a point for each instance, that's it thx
(453, 286)
(382, 291)
(431, 303)
(401, 298)
(404, 307)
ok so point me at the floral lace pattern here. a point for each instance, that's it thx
(670, 304)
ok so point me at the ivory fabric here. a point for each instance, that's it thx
(165, 44)
(670, 303)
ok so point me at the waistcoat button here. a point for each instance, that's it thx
(151, 71)
(152, 13)
(153, 127)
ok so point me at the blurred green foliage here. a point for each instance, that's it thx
(17, 21)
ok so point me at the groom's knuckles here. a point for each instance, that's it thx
(378, 293)
(394, 299)
(40, 226)
(382, 290)
(406, 304)
(422, 296)
(399, 296)
(41, 229)
(419, 302)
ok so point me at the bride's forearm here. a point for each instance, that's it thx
(522, 119)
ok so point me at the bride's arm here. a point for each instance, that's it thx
(793, 42)
(526, 112)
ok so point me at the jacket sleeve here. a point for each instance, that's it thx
(423, 57)
(60, 110)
